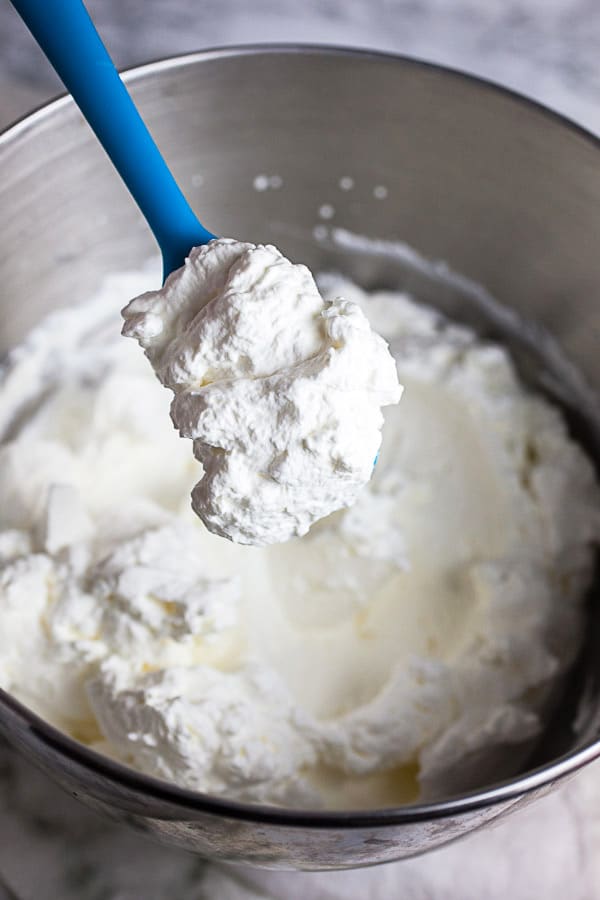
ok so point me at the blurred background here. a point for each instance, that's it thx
(51, 848)
(549, 49)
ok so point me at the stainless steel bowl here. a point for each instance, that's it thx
(501, 189)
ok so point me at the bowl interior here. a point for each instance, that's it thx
(314, 151)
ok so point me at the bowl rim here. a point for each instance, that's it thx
(511, 789)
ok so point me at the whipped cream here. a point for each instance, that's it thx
(394, 652)
(280, 390)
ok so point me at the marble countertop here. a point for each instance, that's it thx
(52, 848)
(547, 49)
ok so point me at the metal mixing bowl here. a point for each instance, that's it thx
(501, 189)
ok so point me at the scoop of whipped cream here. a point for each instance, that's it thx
(280, 390)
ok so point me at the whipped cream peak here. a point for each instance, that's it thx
(211, 727)
(279, 390)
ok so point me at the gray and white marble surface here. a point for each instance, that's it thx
(52, 848)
